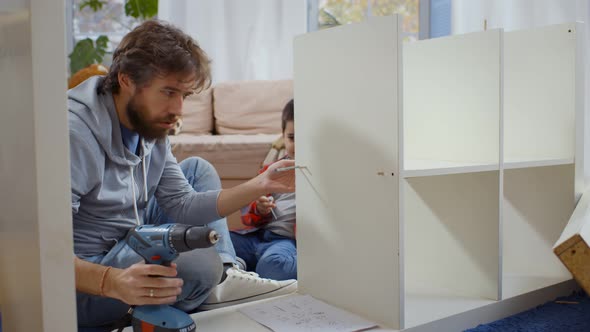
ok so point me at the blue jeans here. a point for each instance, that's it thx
(200, 269)
(268, 254)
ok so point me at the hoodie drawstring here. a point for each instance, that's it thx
(145, 192)
(134, 196)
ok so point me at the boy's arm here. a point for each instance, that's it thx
(252, 218)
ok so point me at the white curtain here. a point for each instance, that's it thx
(247, 40)
(469, 16)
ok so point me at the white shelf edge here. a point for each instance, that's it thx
(537, 163)
(497, 310)
(436, 169)
(425, 308)
(516, 285)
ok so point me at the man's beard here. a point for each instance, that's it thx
(145, 128)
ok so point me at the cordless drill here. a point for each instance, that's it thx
(161, 245)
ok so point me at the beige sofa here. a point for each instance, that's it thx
(233, 125)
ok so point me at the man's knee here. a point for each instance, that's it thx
(196, 165)
(201, 271)
(199, 170)
(202, 267)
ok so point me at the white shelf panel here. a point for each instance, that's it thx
(351, 118)
(451, 233)
(423, 307)
(418, 168)
(514, 163)
(452, 96)
(514, 285)
(539, 92)
(537, 203)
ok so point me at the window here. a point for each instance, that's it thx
(440, 18)
(421, 19)
(110, 21)
(337, 12)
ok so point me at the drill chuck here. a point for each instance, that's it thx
(186, 238)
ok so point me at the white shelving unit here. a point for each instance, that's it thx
(443, 105)
(538, 154)
(539, 94)
(537, 204)
(439, 173)
(36, 263)
(451, 244)
(355, 248)
(451, 221)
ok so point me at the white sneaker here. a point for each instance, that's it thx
(241, 286)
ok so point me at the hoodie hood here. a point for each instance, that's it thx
(98, 112)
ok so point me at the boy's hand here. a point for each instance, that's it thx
(264, 204)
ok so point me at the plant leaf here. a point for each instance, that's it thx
(329, 19)
(96, 5)
(86, 52)
(143, 9)
(101, 45)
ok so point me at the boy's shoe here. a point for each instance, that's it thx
(241, 286)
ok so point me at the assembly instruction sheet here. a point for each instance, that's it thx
(298, 313)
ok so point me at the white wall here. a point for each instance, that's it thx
(36, 250)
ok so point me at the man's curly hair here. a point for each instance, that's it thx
(155, 48)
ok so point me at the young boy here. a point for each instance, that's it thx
(267, 244)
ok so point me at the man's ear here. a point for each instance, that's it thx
(126, 83)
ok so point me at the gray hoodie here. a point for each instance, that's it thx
(111, 185)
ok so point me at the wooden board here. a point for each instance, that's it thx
(575, 255)
(572, 247)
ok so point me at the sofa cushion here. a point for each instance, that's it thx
(233, 156)
(197, 114)
(250, 107)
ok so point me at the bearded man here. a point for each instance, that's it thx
(123, 174)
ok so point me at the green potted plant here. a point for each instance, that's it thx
(87, 51)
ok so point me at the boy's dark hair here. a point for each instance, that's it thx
(153, 49)
(288, 114)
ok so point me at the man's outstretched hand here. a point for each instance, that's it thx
(279, 182)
